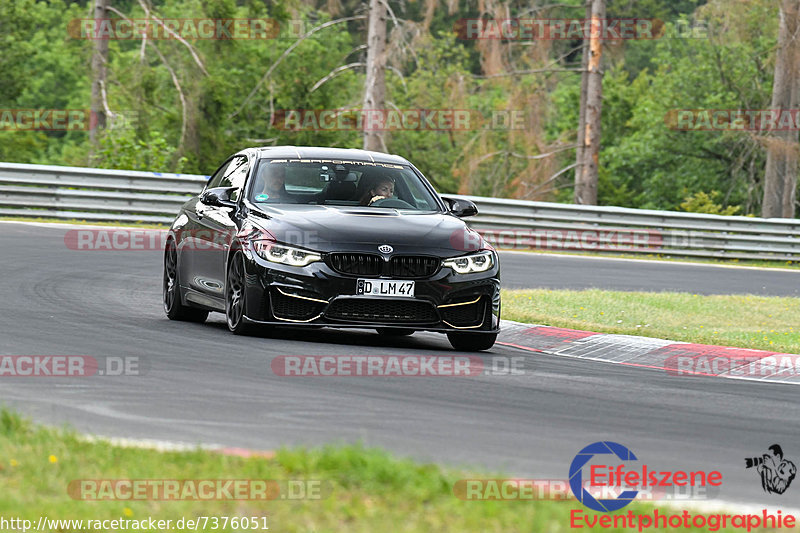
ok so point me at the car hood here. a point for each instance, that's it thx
(329, 228)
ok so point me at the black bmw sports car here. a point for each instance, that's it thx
(331, 237)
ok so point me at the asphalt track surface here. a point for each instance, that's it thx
(522, 270)
(204, 385)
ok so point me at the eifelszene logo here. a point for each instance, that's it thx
(776, 472)
(576, 476)
(619, 484)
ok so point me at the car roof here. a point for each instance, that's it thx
(318, 152)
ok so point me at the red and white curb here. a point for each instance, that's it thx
(673, 358)
(174, 446)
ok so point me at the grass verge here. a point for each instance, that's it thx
(368, 489)
(746, 321)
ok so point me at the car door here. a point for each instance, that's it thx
(187, 238)
(216, 228)
(202, 241)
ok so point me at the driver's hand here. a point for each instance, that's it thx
(376, 198)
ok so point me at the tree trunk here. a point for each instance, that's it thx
(582, 115)
(780, 176)
(375, 87)
(99, 62)
(588, 153)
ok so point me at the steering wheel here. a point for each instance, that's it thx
(392, 202)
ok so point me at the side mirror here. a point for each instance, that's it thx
(460, 207)
(219, 197)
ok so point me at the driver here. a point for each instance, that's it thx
(273, 182)
(383, 188)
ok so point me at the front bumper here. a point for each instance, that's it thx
(318, 296)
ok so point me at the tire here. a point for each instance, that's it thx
(171, 291)
(471, 342)
(395, 332)
(235, 295)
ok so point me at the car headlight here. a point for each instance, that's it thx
(480, 262)
(285, 255)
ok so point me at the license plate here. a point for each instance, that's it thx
(385, 287)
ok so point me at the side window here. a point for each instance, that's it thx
(214, 181)
(235, 175)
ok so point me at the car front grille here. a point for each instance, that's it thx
(356, 264)
(413, 266)
(373, 265)
(466, 315)
(380, 310)
(294, 308)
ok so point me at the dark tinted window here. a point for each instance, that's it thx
(344, 183)
(231, 174)
(214, 180)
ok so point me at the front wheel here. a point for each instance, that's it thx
(235, 294)
(173, 305)
(471, 342)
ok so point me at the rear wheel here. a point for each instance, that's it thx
(235, 294)
(173, 305)
(395, 332)
(471, 342)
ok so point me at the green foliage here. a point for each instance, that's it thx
(231, 103)
(647, 162)
(12, 424)
(123, 149)
(42, 68)
(439, 63)
(701, 202)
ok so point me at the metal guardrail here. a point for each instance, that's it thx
(125, 196)
(542, 225)
(93, 194)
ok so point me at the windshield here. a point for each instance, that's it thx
(345, 183)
